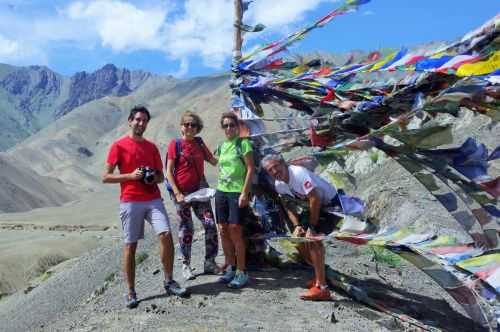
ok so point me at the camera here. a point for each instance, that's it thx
(148, 174)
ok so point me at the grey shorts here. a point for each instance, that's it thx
(133, 214)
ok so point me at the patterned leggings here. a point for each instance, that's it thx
(203, 211)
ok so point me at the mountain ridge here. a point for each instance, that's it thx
(33, 97)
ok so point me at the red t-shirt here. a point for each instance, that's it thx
(128, 155)
(189, 170)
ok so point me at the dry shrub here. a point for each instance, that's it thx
(44, 263)
(5, 287)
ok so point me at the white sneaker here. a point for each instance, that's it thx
(187, 272)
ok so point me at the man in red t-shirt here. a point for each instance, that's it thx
(140, 168)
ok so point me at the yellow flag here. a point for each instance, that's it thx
(480, 68)
(300, 69)
(383, 61)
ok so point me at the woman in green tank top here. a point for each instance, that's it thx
(231, 200)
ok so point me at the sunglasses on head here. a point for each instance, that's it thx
(190, 125)
(228, 125)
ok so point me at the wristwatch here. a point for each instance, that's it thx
(313, 228)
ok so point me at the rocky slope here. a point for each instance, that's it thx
(23, 189)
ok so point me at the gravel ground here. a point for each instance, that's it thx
(269, 303)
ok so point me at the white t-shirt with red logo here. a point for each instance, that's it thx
(302, 181)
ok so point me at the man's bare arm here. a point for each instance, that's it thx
(293, 218)
(108, 175)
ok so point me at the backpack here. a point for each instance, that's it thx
(179, 153)
(255, 154)
(238, 150)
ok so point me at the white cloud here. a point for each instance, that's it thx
(120, 25)
(278, 13)
(183, 68)
(196, 28)
(8, 47)
(205, 29)
(16, 53)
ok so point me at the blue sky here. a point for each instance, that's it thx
(194, 37)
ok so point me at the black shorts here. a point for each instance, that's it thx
(327, 222)
(227, 210)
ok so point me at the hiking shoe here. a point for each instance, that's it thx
(210, 267)
(131, 300)
(239, 280)
(173, 288)
(187, 272)
(316, 294)
(228, 276)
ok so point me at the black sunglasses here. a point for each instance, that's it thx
(228, 125)
(190, 124)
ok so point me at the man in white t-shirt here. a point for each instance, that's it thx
(303, 185)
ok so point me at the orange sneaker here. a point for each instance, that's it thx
(316, 294)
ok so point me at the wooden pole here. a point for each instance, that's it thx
(237, 31)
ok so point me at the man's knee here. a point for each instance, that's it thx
(130, 247)
(165, 237)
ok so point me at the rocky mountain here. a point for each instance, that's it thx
(107, 81)
(33, 97)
